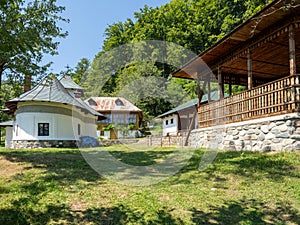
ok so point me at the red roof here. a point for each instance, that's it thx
(104, 104)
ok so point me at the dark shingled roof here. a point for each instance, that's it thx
(50, 90)
(68, 83)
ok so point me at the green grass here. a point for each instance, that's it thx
(57, 186)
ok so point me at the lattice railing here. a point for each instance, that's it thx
(277, 97)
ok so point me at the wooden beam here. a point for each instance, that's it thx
(249, 65)
(190, 129)
(265, 62)
(292, 50)
(208, 89)
(199, 90)
(230, 85)
(232, 69)
(284, 45)
(220, 83)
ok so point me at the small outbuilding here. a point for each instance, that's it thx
(181, 118)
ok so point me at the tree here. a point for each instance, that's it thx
(80, 70)
(28, 31)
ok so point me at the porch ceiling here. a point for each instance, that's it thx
(269, 61)
(270, 58)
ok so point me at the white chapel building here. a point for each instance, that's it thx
(50, 115)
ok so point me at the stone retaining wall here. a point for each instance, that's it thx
(277, 133)
(43, 144)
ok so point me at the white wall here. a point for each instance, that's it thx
(171, 128)
(8, 136)
(130, 134)
(107, 134)
(61, 127)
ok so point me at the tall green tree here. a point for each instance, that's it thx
(28, 30)
(80, 70)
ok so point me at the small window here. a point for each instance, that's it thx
(172, 121)
(119, 118)
(79, 131)
(107, 120)
(167, 122)
(119, 102)
(131, 118)
(43, 129)
(92, 102)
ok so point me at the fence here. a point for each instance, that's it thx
(277, 97)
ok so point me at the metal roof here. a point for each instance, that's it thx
(213, 96)
(68, 83)
(50, 90)
(104, 104)
(8, 123)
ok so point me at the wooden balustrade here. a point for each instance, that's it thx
(277, 97)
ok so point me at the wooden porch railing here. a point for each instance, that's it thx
(277, 97)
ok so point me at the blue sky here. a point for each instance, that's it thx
(88, 20)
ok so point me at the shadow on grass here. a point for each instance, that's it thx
(67, 167)
(64, 166)
(122, 215)
(247, 211)
(70, 166)
(62, 214)
(249, 165)
(140, 158)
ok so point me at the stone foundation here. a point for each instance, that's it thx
(44, 144)
(277, 133)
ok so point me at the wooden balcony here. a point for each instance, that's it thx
(274, 98)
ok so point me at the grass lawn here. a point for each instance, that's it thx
(57, 186)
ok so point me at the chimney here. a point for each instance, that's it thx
(27, 83)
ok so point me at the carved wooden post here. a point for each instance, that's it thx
(292, 59)
(208, 89)
(292, 50)
(220, 83)
(249, 64)
(230, 85)
(199, 90)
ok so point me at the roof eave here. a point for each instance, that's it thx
(227, 36)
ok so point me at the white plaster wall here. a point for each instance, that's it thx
(170, 128)
(107, 134)
(61, 127)
(8, 136)
(90, 130)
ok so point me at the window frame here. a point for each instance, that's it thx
(79, 129)
(43, 129)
